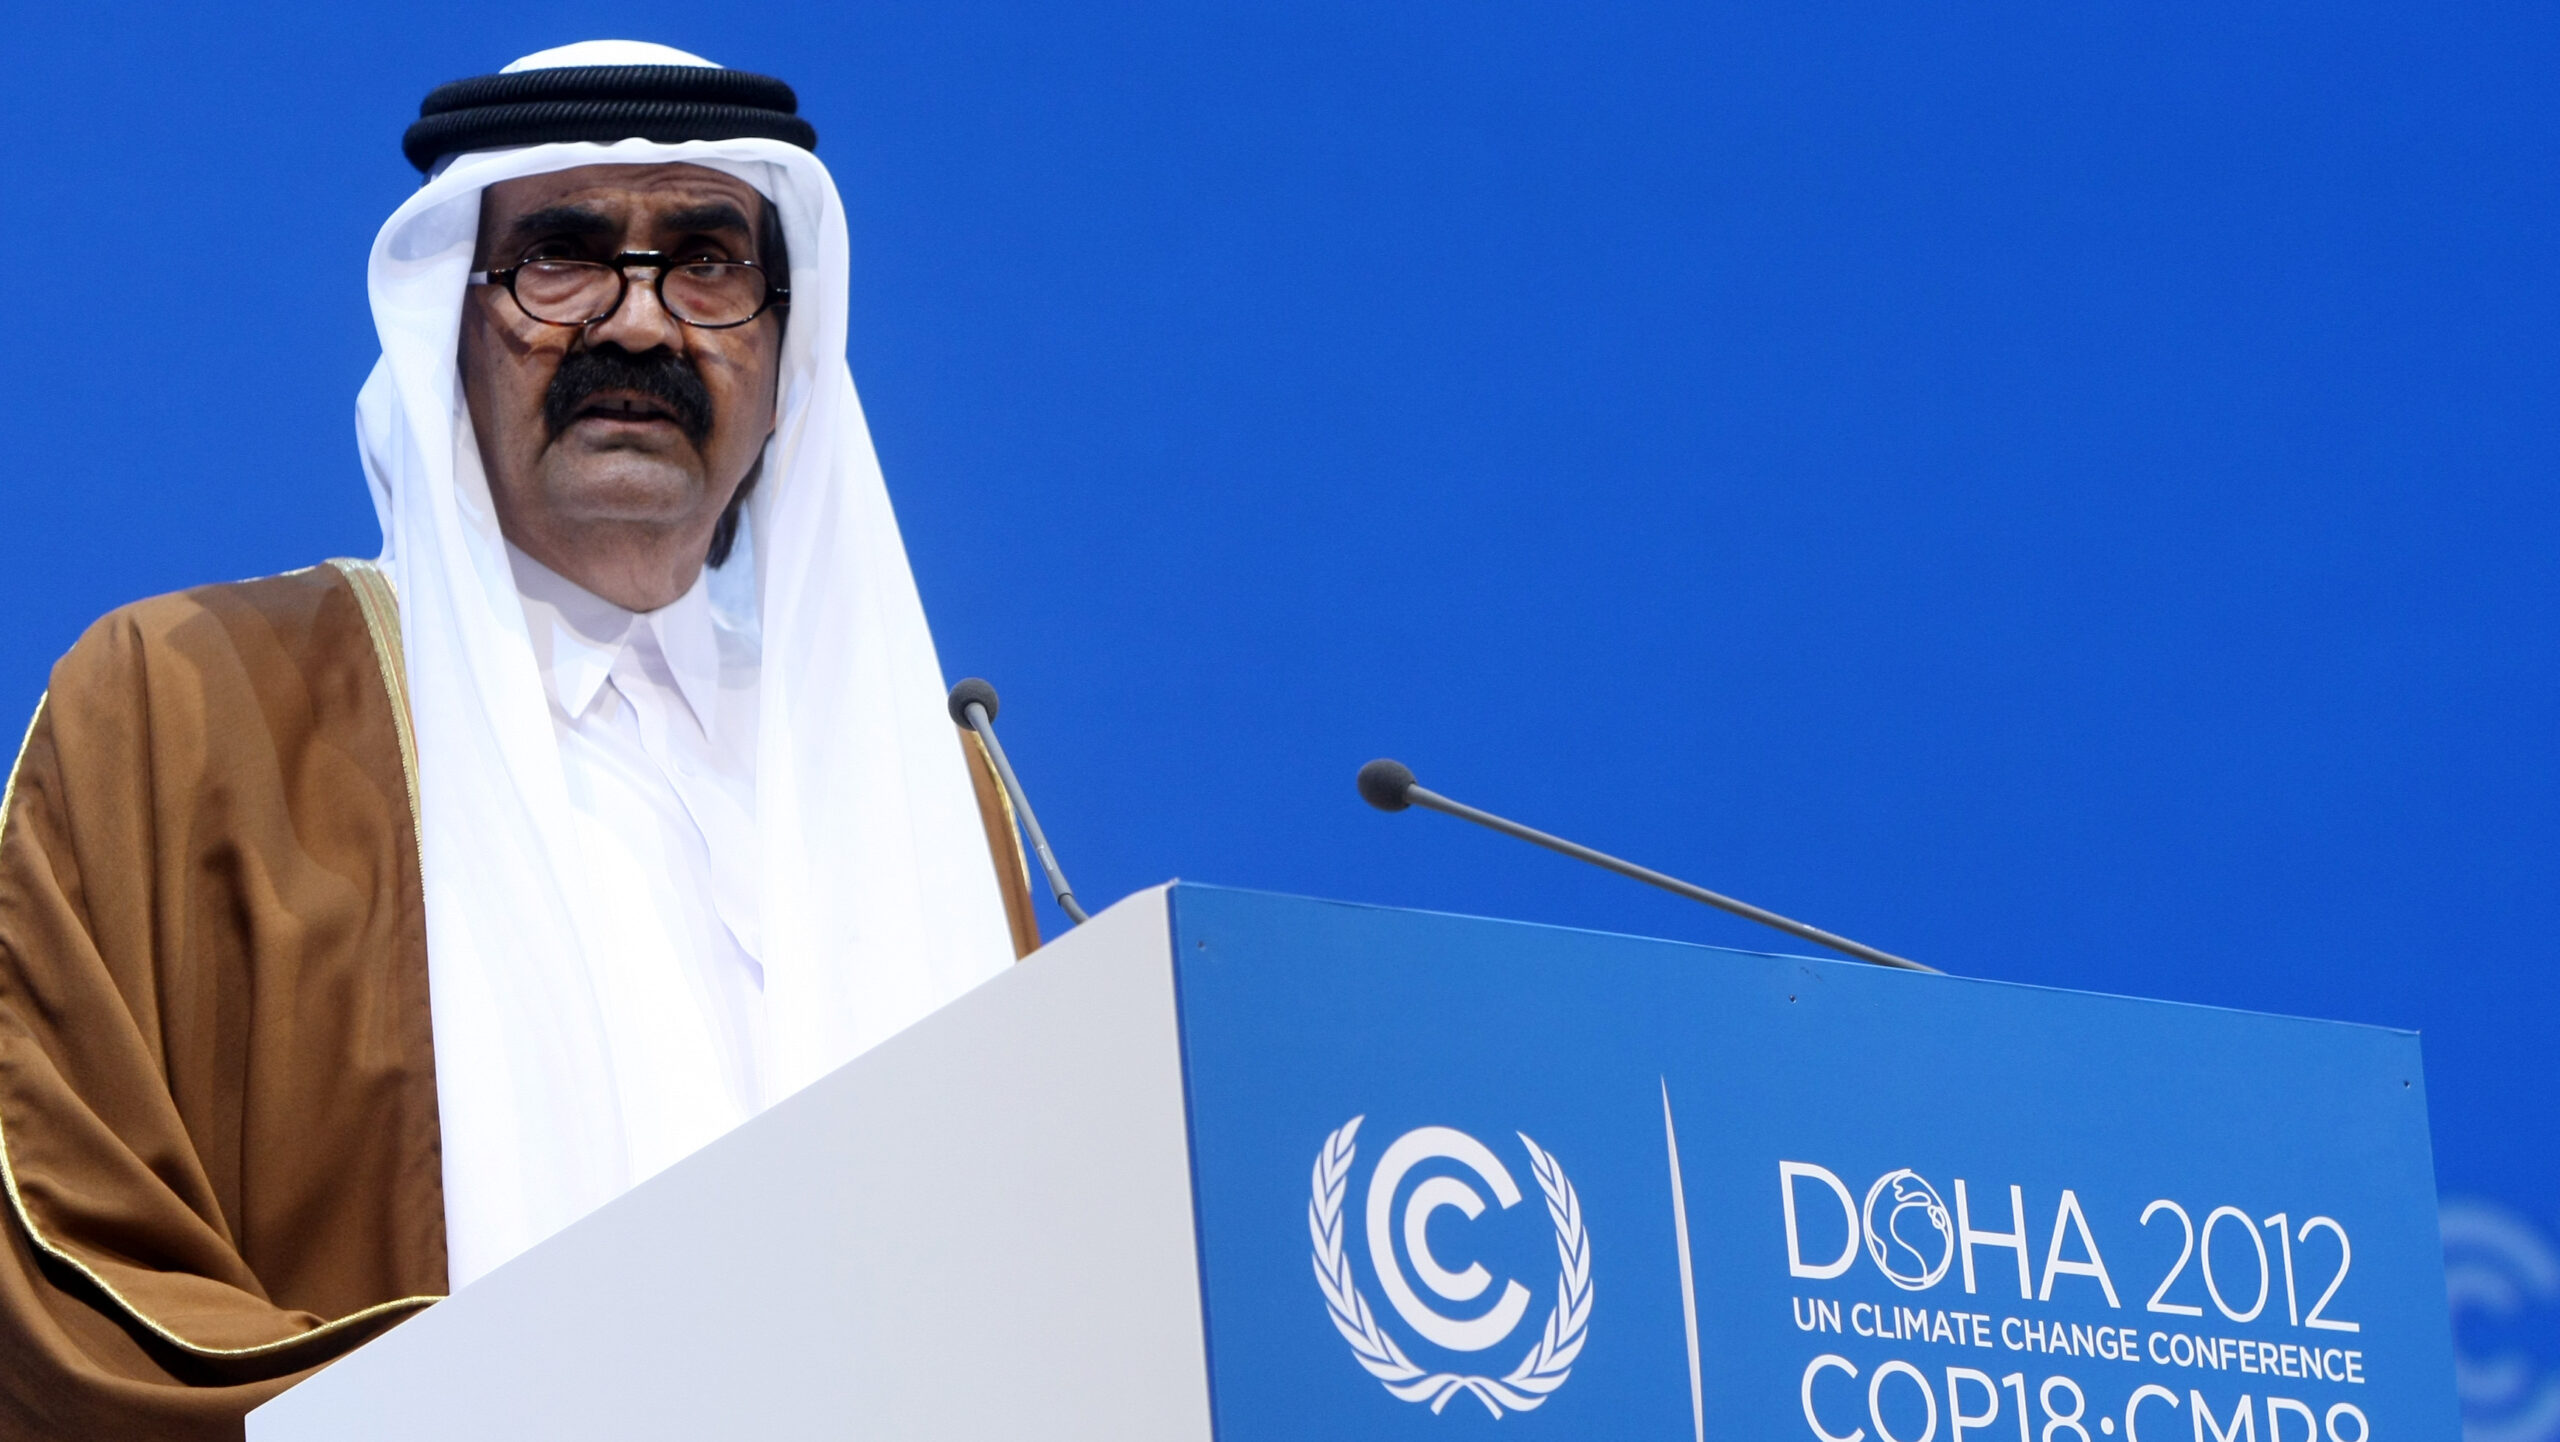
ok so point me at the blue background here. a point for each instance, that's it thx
(2061, 493)
(1298, 1015)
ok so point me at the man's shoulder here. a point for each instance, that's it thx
(283, 600)
(293, 619)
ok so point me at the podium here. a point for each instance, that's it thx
(1222, 1164)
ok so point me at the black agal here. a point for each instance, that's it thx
(603, 103)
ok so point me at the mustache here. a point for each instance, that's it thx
(661, 375)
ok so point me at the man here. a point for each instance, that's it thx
(362, 926)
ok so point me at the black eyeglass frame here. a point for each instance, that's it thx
(775, 296)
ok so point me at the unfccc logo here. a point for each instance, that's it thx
(1548, 1363)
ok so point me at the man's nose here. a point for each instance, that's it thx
(640, 324)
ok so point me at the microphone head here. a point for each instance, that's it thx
(970, 690)
(1383, 784)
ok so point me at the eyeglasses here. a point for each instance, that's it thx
(711, 294)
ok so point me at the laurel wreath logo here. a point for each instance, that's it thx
(1539, 1374)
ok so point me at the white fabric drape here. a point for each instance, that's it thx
(878, 899)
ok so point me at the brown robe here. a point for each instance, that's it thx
(218, 1132)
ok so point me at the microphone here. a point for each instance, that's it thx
(1389, 786)
(973, 704)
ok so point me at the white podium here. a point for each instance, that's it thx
(980, 1228)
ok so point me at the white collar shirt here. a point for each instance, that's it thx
(655, 715)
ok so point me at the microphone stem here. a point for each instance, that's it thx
(1421, 795)
(986, 729)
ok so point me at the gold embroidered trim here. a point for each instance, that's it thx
(46, 1245)
(381, 606)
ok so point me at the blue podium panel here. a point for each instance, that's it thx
(1457, 1176)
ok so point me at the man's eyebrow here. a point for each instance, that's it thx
(708, 216)
(561, 220)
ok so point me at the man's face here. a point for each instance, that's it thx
(613, 448)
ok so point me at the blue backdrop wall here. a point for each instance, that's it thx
(2064, 495)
